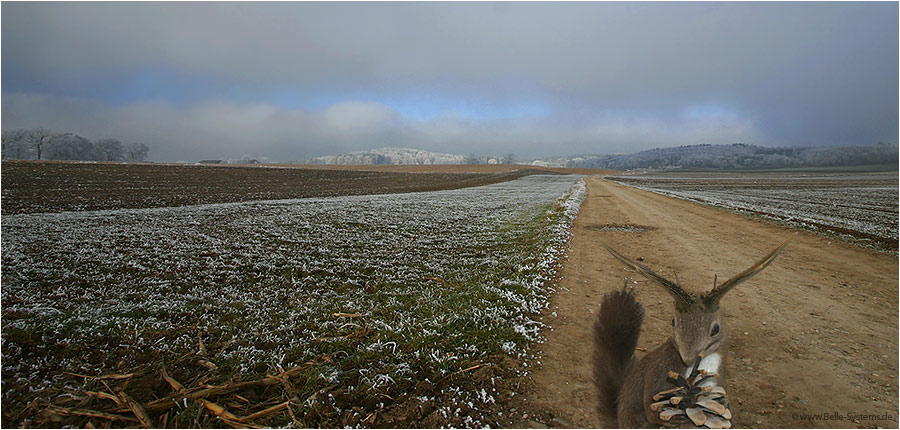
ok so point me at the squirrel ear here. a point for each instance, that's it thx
(711, 299)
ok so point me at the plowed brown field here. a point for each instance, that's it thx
(33, 186)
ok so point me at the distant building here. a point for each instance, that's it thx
(210, 161)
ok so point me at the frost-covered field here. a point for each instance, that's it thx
(390, 289)
(862, 207)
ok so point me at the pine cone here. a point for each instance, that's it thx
(697, 401)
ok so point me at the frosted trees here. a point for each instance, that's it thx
(136, 152)
(44, 144)
(70, 147)
(111, 149)
(13, 144)
(27, 143)
(37, 138)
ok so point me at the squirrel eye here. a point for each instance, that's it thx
(715, 330)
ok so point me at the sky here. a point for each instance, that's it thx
(288, 81)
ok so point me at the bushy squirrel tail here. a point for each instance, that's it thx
(616, 334)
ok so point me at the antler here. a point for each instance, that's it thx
(711, 299)
(683, 299)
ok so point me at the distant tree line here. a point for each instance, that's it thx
(44, 144)
(744, 156)
(487, 159)
(407, 156)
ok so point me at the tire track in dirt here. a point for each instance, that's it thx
(816, 332)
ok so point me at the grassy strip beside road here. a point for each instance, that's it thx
(387, 310)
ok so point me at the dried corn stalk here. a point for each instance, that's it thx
(696, 401)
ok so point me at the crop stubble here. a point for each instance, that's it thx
(372, 296)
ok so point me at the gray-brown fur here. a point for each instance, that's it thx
(693, 333)
(615, 337)
(699, 329)
(645, 379)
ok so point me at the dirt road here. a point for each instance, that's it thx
(815, 333)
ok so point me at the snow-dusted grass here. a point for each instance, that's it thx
(439, 280)
(853, 206)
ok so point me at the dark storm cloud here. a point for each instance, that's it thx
(292, 80)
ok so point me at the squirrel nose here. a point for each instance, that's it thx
(690, 358)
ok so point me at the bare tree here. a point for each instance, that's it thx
(38, 138)
(70, 146)
(111, 149)
(13, 146)
(508, 158)
(136, 152)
